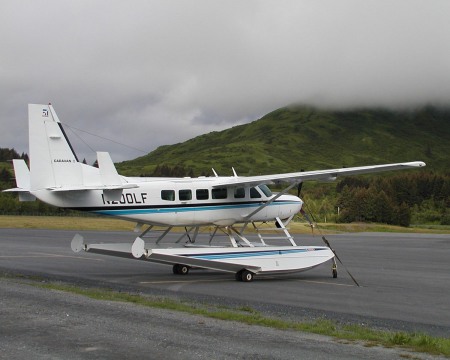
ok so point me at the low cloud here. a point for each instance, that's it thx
(149, 73)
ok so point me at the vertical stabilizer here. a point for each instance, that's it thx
(53, 163)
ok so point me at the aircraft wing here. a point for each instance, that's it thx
(321, 175)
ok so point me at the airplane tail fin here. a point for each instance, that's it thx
(53, 162)
(54, 165)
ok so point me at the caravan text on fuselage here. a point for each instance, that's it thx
(63, 160)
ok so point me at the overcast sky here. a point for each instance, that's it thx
(149, 73)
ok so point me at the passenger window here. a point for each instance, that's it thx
(219, 193)
(168, 195)
(184, 195)
(202, 194)
(254, 194)
(239, 193)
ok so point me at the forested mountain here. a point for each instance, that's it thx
(299, 137)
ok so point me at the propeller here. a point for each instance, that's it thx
(300, 185)
(299, 188)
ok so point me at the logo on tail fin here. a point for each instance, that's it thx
(45, 112)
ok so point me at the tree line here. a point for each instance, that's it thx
(401, 199)
(9, 154)
(395, 199)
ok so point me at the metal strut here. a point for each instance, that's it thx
(142, 235)
(281, 227)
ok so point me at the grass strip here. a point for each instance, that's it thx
(111, 224)
(418, 342)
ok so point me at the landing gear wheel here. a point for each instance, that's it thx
(334, 273)
(180, 269)
(246, 276)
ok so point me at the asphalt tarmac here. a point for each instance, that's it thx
(404, 278)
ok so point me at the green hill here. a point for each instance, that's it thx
(299, 137)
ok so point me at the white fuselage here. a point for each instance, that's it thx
(179, 202)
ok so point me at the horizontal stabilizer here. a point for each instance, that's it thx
(22, 174)
(22, 181)
(111, 182)
(93, 187)
(24, 195)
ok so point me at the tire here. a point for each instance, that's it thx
(184, 269)
(180, 269)
(176, 269)
(246, 276)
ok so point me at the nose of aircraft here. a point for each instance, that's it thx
(292, 205)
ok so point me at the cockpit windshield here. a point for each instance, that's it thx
(265, 190)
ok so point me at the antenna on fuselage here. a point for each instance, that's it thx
(214, 171)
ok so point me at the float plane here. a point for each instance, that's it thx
(229, 206)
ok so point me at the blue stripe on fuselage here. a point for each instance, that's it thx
(177, 209)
